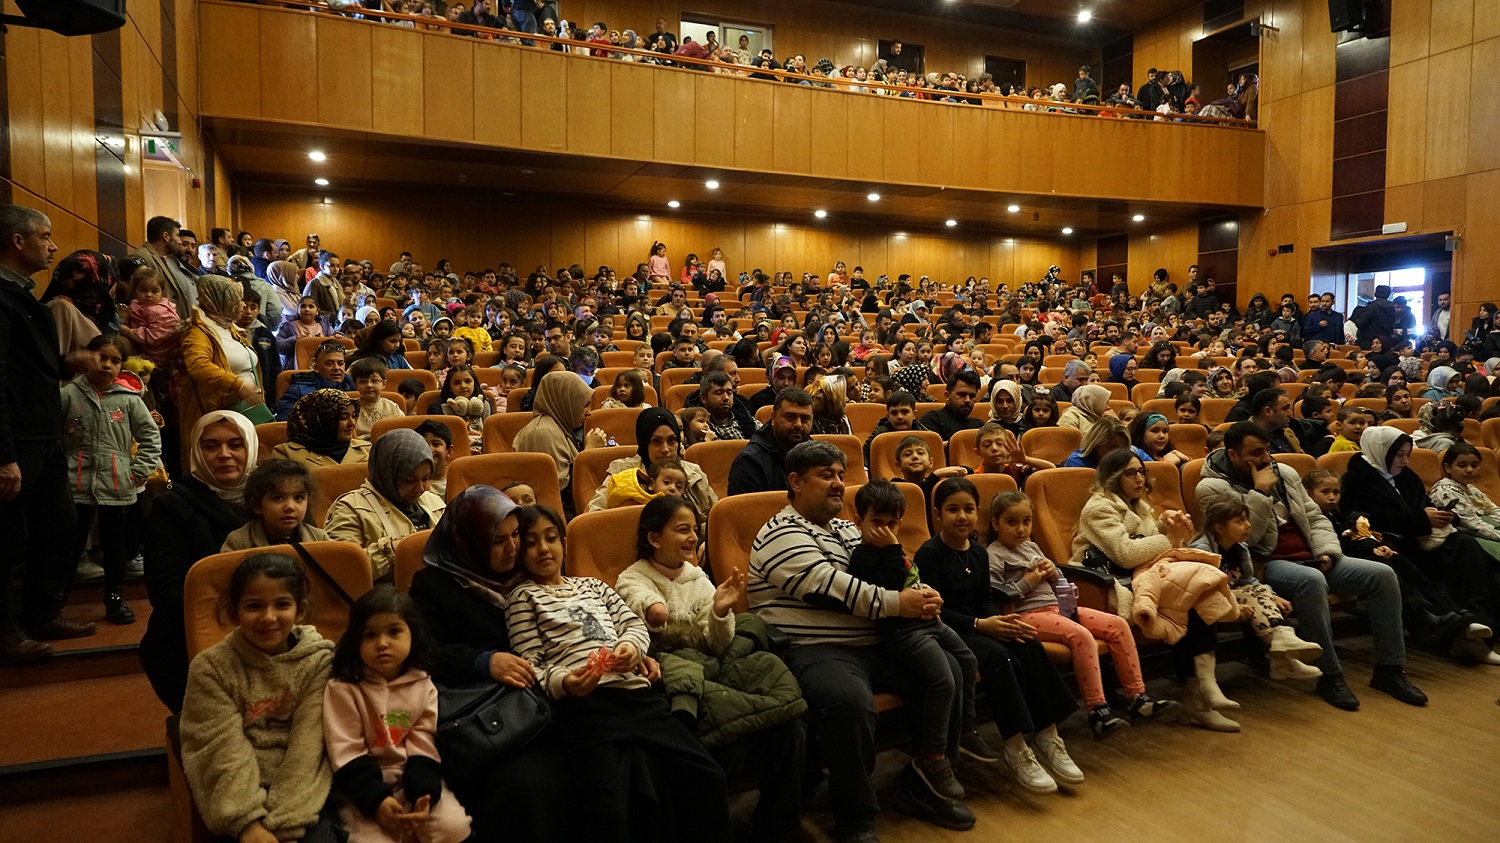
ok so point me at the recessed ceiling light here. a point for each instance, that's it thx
(1067, 231)
(320, 182)
(1085, 16)
(820, 213)
(951, 223)
(1138, 218)
(528, 172)
(873, 197)
(1013, 208)
(711, 184)
(318, 155)
(674, 204)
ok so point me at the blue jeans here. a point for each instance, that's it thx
(1308, 589)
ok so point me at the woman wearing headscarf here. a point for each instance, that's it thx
(1090, 404)
(320, 431)
(1006, 405)
(1379, 485)
(1122, 368)
(1172, 376)
(471, 563)
(286, 279)
(186, 524)
(658, 437)
(81, 298)
(561, 404)
(1442, 382)
(393, 503)
(221, 367)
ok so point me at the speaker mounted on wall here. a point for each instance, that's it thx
(69, 17)
(1362, 16)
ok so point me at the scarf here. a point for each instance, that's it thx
(1439, 377)
(314, 423)
(1377, 446)
(1012, 389)
(393, 458)
(86, 279)
(462, 540)
(1117, 366)
(198, 466)
(219, 299)
(646, 424)
(1172, 376)
(1092, 400)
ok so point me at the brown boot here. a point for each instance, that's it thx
(58, 628)
(17, 646)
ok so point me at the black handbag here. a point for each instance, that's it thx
(485, 721)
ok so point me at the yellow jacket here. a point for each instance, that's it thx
(208, 384)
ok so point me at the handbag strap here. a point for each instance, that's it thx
(327, 577)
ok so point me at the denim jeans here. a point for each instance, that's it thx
(1308, 589)
(919, 646)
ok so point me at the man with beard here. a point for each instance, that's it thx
(761, 466)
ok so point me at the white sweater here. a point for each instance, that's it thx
(691, 622)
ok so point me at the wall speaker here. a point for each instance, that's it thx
(70, 17)
(1346, 15)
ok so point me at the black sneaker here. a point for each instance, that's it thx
(1145, 707)
(1392, 680)
(938, 777)
(913, 797)
(115, 610)
(973, 745)
(1335, 691)
(1103, 722)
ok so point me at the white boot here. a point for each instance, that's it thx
(1285, 667)
(1284, 642)
(1204, 665)
(1478, 632)
(1194, 711)
(1476, 651)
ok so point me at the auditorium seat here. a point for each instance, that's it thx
(732, 527)
(270, 435)
(409, 558)
(457, 427)
(913, 531)
(1052, 444)
(602, 544)
(1057, 498)
(715, 458)
(331, 482)
(1191, 439)
(618, 424)
(500, 431)
(500, 470)
(883, 452)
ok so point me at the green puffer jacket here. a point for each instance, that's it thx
(744, 692)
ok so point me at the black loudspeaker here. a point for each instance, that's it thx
(1346, 15)
(71, 17)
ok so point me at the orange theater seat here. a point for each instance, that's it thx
(1057, 498)
(913, 531)
(456, 426)
(618, 424)
(715, 458)
(732, 526)
(1052, 444)
(500, 470)
(591, 468)
(602, 544)
(270, 435)
(854, 455)
(500, 431)
(883, 452)
(409, 558)
(1191, 439)
(332, 482)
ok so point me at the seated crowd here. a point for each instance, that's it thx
(1222, 475)
(894, 73)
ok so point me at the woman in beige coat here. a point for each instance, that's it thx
(394, 503)
(561, 406)
(320, 431)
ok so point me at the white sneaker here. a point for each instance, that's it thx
(1028, 773)
(1053, 754)
(88, 571)
(1476, 651)
(1478, 632)
(136, 567)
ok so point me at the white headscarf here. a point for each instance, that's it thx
(1377, 444)
(198, 466)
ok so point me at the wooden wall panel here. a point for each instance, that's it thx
(633, 111)
(449, 104)
(676, 99)
(1448, 104)
(790, 151)
(288, 67)
(866, 159)
(397, 97)
(345, 71)
(543, 125)
(754, 125)
(234, 60)
(588, 120)
(497, 114)
(830, 149)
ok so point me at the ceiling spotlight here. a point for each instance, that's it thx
(873, 197)
(951, 223)
(1067, 230)
(1013, 208)
(528, 172)
(1085, 16)
(674, 204)
(1138, 218)
(711, 184)
(318, 156)
(820, 213)
(320, 182)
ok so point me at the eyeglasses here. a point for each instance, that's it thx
(1133, 473)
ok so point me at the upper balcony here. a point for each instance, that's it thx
(378, 82)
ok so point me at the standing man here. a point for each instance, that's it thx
(34, 496)
(161, 250)
(304, 258)
(1441, 315)
(1324, 324)
(1376, 319)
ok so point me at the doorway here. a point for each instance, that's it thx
(1416, 269)
(729, 32)
(1006, 71)
(1220, 58)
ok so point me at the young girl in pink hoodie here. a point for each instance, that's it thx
(380, 724)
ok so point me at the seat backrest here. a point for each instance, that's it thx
(602, 392)
(1407, 426)
(207, 584)
(732, 526)
(591, 468)
(883, 452)
(1165, 406)
(270, 435)
(394, 378)
(715, 458)
(417, 359)
(1215, 409)
(854, 456)
(1166, 487)
(307, 345)
(1191, 439)
(988, 486)
(618, 424)
(1057, 498)
(409, 558)
(1473, 432)
(1489, 474)
(1376, 404)
(423, 405)
(500, 470)
(513, 401)
(284, 380)
(1337, 461)
(332, 482)
(963, 448)
(1427, 464)
(617, 359)
(500, 431)
(1143, 392)
(676, 377)
(1490, 433)
(602, 544)
(676, 396)
(913, 531)
(1117, 391)
(1192, 472)
(1300, 463)
(863, 417)
(1295, 390)
(1121, 406)
(1052, 444)
(456, 427)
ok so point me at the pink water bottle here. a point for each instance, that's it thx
(1067, 597)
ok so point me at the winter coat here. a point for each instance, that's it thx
(1219, 481)
(1176, 583)
(253, 534)
(1128, 535)
(1398, 511)
(366, 518)
(359, 451)
(99, 434)
(731, 697)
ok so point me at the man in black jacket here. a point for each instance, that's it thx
(761, 466)
(34, 493)
(963, 388)
(1376, 319)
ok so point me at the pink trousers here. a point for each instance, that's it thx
(1080, 636)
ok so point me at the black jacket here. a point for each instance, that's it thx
(1376, 319)
(30, 370)
(464, 625)
(760, 467)
(944, 423)
(1396, 511)
(186, 524)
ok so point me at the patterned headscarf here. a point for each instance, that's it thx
(87, 279)
(219, 298)
(1012, 389)
(463, 539)
(314, 422)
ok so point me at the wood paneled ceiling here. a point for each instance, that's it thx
(1112, 19)
(264, 157)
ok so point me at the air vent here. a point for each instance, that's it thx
(1284, 249)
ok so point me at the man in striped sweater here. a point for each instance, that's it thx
(799, 581)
